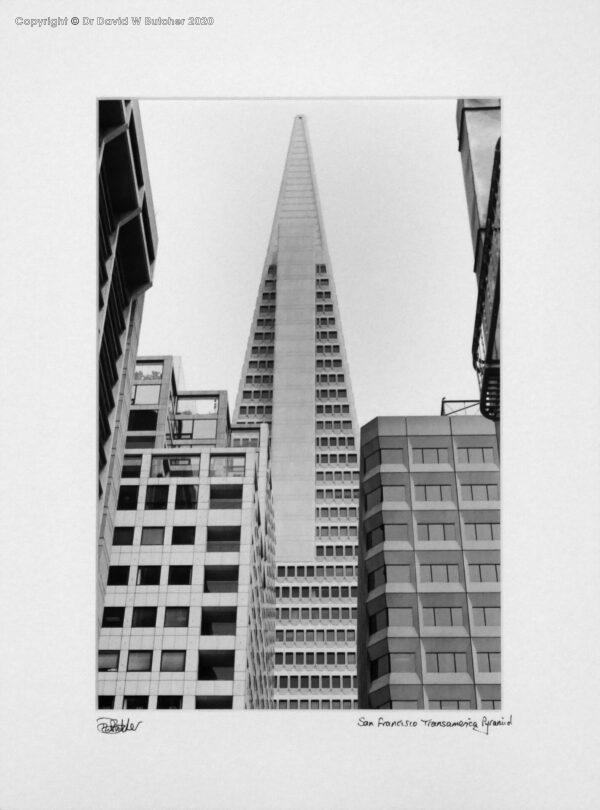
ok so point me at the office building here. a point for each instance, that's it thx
(429, 563)
(187, 618)
(127, 243)
(478, 122)
(295, 377)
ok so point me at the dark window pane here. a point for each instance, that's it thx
(223, 538)
(135, 702)
(226, 497)
(128, 496)
(139, 661)
(132, 466)
(214, 702)
(142, 420)
(169, 702)
(118, 575)
(220, 579)
(218, 621)
(123, 536)
(108, 660)
(216, 665)
(183, 535)
(106, 701)
(143, 617)
(180, 575)
(172, 661)
(113, 617)
(177, 616)
(153, 536)
(148, 575)
(186, 496)
(157, 496)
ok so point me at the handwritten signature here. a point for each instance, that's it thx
(110, 725)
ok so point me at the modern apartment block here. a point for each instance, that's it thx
(295, 377)
(188, 608)
(478, 122)
(429, 564)
(127, 243)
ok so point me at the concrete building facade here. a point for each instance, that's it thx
(478, 122)
(429, 564)
(295, 377)
(127, 244)
(187, 619)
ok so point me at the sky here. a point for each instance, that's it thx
(393, 203)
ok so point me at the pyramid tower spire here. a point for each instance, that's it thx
(295, 376)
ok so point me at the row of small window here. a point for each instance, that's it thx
(445, 572)
(269, 296)
(439, 662)
(256, 410)
(329, 378)
(337, 494)
(268, 323)
(328, 321)
(264, 336)
(322, 282)
(214, 665)
(336, 531)
(186, 497)
(323, 295)
(320, 269)
(315, 682)
(331, 393)
(335, 512)
(328, 335)
(257, 394)
(433, 532)
(131, 702)
(217, 578)
(317, 704)
(222, 466)
(334, 441)
(267, 309)
(318, 659)
(264, 350)
(259, 379)
(336, 458)
(215, 621)
(432, 492)
(336, 551)
(316, 592)
(327, 348)
(320, 409)
(488, 616)
(218, 538)
(337, 475)
(439, 704)
(310, 636)
(295, 571)
(429, 455)
(260, 364)
(324, 308)
(316, 614)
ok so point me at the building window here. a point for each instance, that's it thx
(175, 467)
(180, 575)
(433, 492)
(169, 702)
(143, 617)
(132, 467)
(214, 702)
(142, 420)
(223, 538)
(139, 661)
(148, 575)
(106, 702)
(183, 536)
(118, 575)
(123, 536)
(220, 579)
(226, 496)
(435, 532)
(157, 496)
(172, 661)
(430, 455)
(486, 616)
(128, 496)
(153, 536)
(135, 702)
(216, 665)
(177, 616)
(476, 455)
(442, 616)
(484, 572)
(449, 704)
(148, 371)
(113, 617)
(490, 704)
(108, 660)
(446, 662)
(197, 406)
(439, 572)
(488, 661)
(145, 394)
(186, 496)
(482, 531)
(218, 621)
(227, 466)
(479, 492)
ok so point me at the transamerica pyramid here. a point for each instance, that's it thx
(295, 376)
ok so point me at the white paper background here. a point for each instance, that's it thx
(542, 58)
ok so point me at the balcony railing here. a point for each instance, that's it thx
(485, 348)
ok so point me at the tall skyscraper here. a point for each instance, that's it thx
(295, 376)
(127, 243)
(188, 610)
(478, 122)
(429, 564)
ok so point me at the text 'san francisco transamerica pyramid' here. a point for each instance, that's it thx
(295, 376)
